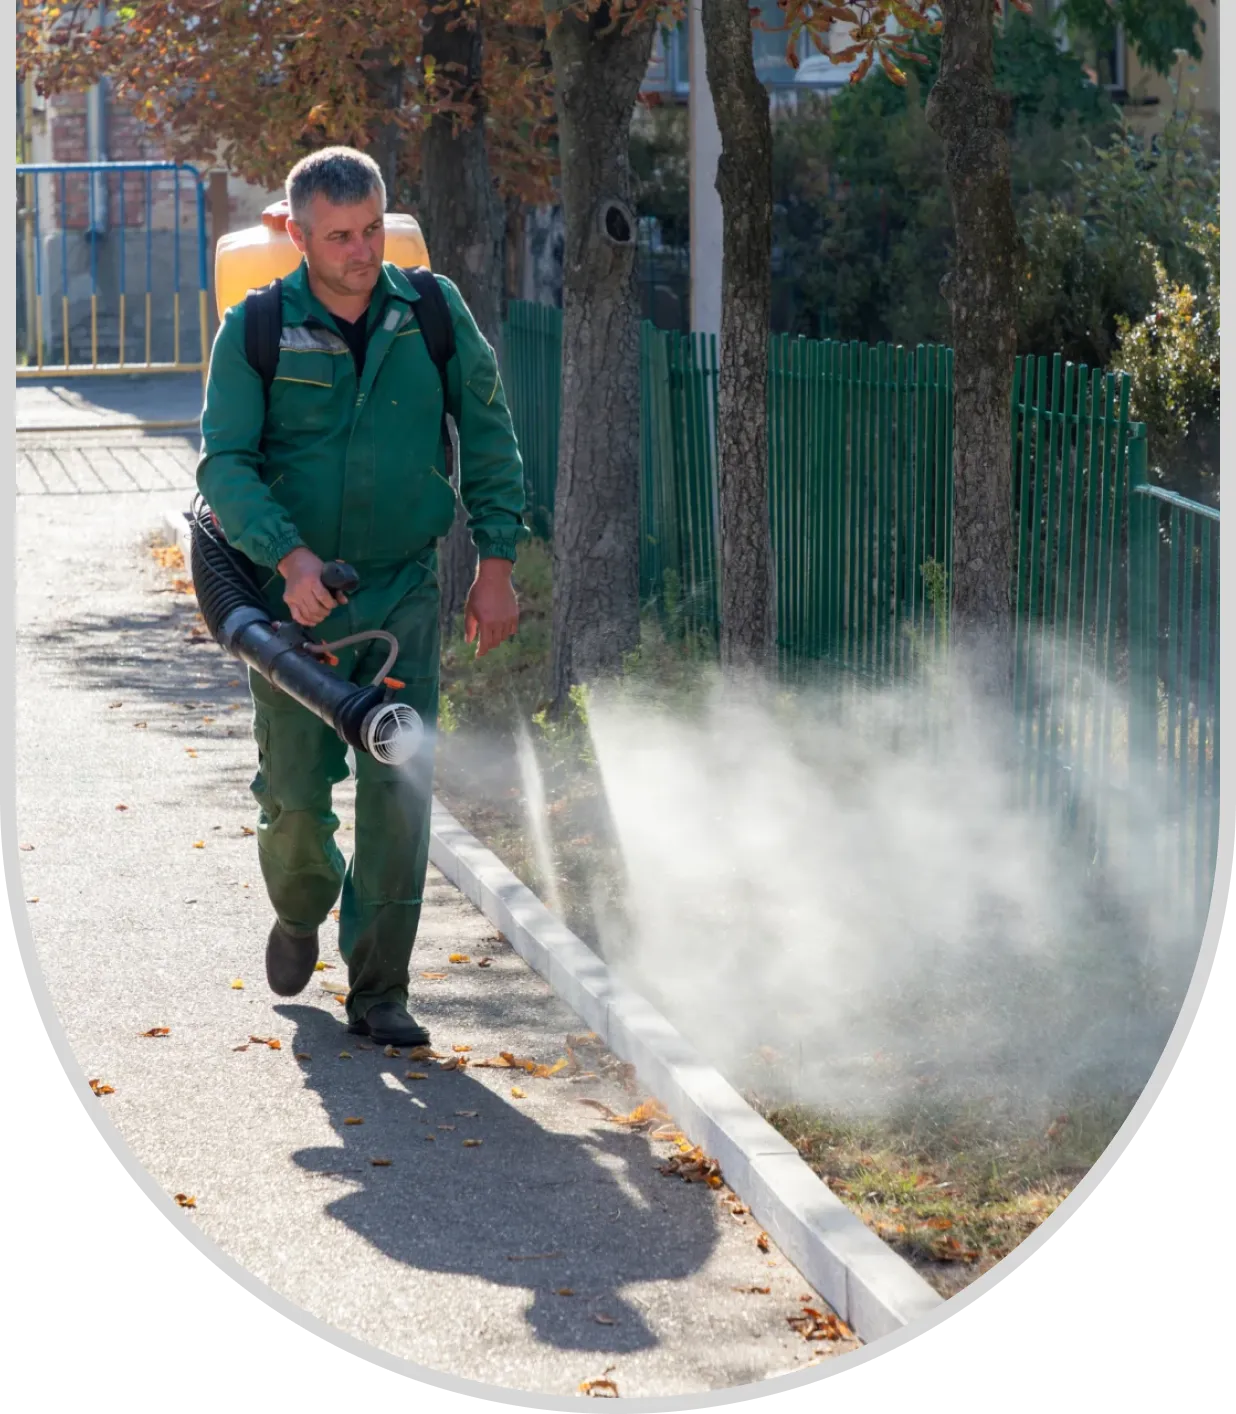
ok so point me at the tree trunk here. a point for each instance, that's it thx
(972, 119)
(464, 229)
(744, 180)
(384, 85)
(599, 64)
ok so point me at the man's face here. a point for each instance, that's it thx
(344, 245)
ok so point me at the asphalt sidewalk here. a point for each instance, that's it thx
(550, 1252)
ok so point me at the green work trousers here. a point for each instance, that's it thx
(301, 759)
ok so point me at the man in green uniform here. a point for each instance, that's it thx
(343, 458)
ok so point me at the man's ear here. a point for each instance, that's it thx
(297, 235)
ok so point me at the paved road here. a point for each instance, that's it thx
(108, 401)
(147, 915)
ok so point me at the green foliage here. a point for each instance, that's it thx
(1173, 357)
(863, 219)
(1092, 250)
(1159, 30)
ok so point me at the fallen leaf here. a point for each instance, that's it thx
(415, 1075)
(323, 966)
(473, 1143)
(206, 721)
(602, 1319)
(814, 1324)
(380, 1163)
(302, 1055)
(565, 1291)
(353, 1119)
(272, 1041)
(423, 1053)
(189, 751)
(245, 830)
(34, 898)
(334, 913)
(100, 1089)
(667, 1132)
(27, 847)
(245, 1047)
(345, 1055)
(434, 976)
(199, 844)
(122, 807)
(450, 1128)
(459, 957)
(592, 1387)
(467, 1114)
(518, 1093)
(485, 962)
(169, 557)
(139, 726)
(186, 1201)
(431, 1138)
(237, 985)
(754, 1290)
(158, 1031)
(111, 706)
(235, 682)
(763, 1243)
(461, 1049)
(940, 1224)
(342, 1000)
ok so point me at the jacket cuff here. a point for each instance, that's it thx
(271, 551)
(498, 546)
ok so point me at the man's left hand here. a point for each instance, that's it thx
(491, 614)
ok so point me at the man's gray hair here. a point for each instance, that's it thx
(342, 175)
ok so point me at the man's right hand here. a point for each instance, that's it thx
(304, 593)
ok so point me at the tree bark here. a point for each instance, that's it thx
(599, 63)
(744, 180)
(972, 119)
(464, 226)
(384, 84)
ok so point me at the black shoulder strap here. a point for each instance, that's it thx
(263, 330)
(438, 330)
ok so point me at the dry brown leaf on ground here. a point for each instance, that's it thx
(694, 1166)
(27, 847)
(157, 1031)
(458, 957)
(599, 1388)
(518, 1094)
(273, 1042)
(390, 1052)
(473, 1143)
(100, 1089)
(302, 1055)
(453, 1063)
(199, 844)
(323, 966)
(763, 1243)
(415, 1075)
(345, 1055)
(467, 1114)
(434, 976)
(424, 1053)
(122, 807)
(353, 1119)
(380, 1163)
(485, 962)
(754, 1290)
(168, 557)
(814, 1324)
(461, 1048)
(185, 1200)
(564, 1291)
(247, 830)
(602, 1319)
(950, 1250)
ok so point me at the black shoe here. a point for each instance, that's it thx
(390, 1025)
(290, 960)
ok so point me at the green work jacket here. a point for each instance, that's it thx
(354, 468)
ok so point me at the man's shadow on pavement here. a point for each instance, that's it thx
(525, 1208)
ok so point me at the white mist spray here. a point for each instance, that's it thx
(536, 814)
(850, 882)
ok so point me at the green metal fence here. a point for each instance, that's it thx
(532, 374)
(1116, 583)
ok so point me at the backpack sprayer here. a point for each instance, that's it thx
(236, 615)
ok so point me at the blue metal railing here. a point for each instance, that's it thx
(49, 250)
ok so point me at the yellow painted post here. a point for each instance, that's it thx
(203, 314)
(176, 329)
(38, 327)
(94, 331)
(147, 328)
(122, 330)
(64, 310)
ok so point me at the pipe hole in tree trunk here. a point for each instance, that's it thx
(617, 222)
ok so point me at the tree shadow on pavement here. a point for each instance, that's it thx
(527, 1207)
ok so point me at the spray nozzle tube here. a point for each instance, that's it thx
(234, 609)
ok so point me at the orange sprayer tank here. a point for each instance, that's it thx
(246, 260)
